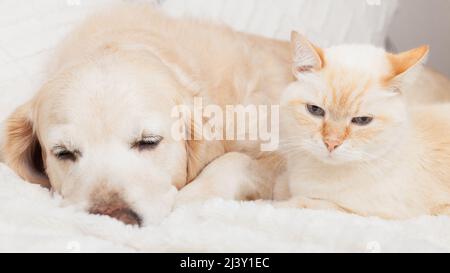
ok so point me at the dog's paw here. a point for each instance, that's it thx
(192, 194)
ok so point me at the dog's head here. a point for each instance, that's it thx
(100, 135)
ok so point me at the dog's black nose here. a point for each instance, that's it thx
(125, 215)
(117, 209)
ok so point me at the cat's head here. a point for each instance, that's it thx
(347, 104)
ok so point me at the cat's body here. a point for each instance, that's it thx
(353, 144)
(412, 179)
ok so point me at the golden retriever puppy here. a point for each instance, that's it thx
(99, 131)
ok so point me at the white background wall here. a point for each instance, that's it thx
(424, 22)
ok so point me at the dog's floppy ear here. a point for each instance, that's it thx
(200, 152)
(21, 147)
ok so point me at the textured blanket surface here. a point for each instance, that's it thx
(32, 220)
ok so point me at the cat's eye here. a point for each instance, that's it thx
(147, 142)
(315, 110)
(362, 121)
(64, 154)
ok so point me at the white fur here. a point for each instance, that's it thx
(367, 58)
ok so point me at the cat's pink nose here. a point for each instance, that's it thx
(332, 144)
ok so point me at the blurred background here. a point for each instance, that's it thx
(395, 24)
(423, 22)
(31, 29)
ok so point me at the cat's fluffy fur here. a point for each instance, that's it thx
(397, 166)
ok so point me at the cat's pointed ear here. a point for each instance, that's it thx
(306, 57)
(406, 62)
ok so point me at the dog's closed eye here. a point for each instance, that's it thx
(64, 154)
(147, 142)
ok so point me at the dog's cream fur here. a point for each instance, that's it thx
(119, 75)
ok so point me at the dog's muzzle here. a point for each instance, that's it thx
(114, 207)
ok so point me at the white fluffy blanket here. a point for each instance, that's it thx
(32, 220)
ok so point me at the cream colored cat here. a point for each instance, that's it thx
(351, 141)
